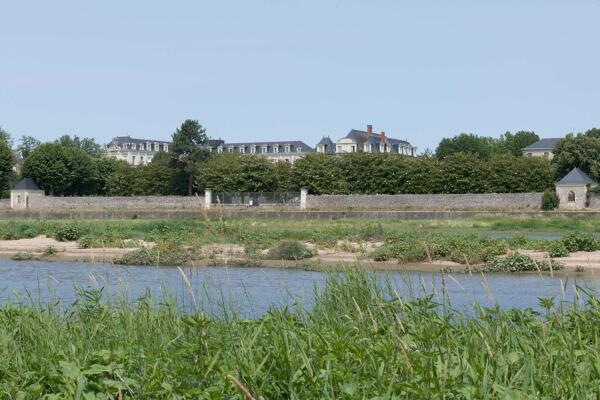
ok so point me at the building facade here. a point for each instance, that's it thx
(357, 141)
(285, 151)
(541, 148)
(135, 151)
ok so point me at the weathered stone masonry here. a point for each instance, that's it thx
(483, 201)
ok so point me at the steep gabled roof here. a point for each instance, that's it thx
(576, 177)
(357, 136)
(26, 184)
(543, 144)
(326, 140)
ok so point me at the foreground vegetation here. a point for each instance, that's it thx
(360, 339)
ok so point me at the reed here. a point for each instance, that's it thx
(358, 339)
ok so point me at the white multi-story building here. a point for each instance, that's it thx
(366, 142)
(135, 151)
(286, 151)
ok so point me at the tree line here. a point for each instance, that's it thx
(465, 163)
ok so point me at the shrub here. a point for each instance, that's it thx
(69, 232)
(518, 262)
(50, 250)
(23, 256)
(290, 250)
(549, 200)
(144, 256)
(382, 253)
(557, 249)
(579, 241)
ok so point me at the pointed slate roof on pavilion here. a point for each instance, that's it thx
(576, 177)
(26, 184)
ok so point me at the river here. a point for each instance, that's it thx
(252, 291)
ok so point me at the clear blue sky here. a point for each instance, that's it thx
(267, 70)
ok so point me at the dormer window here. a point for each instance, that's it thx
(220, 149)
(265, 149)
(299, 149)
(242, 149)
(230, 149)
(276, 148)
(253, 149)
(287, 148)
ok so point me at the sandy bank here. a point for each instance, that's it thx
(342, 255)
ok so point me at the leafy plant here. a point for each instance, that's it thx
(580, 241)
(550, 200)
(518, 262)
(290, 250)
(69, 232)
(557, 249)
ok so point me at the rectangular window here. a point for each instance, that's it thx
(230, 149)
(252, 149)
(287, 148)
(299, 149)
(220, 149)
(276, 148)
(265, 149)
(546, 155)
(339, 149)
(242, 149)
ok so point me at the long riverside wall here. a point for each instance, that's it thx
(121, 203)
(483, 201)
(276, 214)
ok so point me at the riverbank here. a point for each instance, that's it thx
(338, 257)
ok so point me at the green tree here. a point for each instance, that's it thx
(123, 180)
(188, 151)
(7, 162)
(481, 146)
(61, 170)
(28, 144)
(88, 145)
(514, 144)
(582, 151)
(320, 174)
(159, 178)
(5, 136)
(232, 172)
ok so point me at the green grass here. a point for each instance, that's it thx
(360, 340)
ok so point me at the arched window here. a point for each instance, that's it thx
(571, 197)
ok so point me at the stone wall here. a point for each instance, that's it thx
(487, 201)
(594, 200)
(126, 203)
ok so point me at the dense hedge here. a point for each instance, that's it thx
(379, 174)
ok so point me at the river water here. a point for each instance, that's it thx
(252, 291)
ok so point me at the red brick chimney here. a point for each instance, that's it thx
(382, 136)
(369, 130)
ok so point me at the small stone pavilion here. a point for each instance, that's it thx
(23, 193)
(572, 190)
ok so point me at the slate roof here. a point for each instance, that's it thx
(363, 137)
(121, 140)
(326, 140)
(294, 146)
(576, 177)
(26, 184)
(543, 144)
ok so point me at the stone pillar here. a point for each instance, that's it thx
(207, 198)
(303, 197)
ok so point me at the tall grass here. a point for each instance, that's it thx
(359, 339)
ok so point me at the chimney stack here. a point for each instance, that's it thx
(382, 136)
(369, 130)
